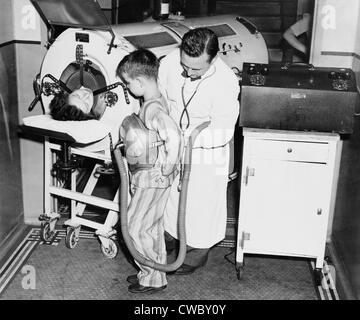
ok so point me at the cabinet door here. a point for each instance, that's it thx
(284, 206)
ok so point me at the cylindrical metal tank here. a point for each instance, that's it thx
(239, 39)
(151, 35)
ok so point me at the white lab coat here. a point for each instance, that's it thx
(216, 99)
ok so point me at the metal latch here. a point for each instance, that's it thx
(250, 172)
(245, 236)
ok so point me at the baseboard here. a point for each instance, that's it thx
(343, 284)
(14, 237)
(33, 221)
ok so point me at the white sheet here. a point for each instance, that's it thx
(83, 132)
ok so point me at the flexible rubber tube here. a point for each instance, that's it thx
(124, 185)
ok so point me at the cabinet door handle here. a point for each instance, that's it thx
(319, 212)
(250, 172)
(244, 236)
(289, 150)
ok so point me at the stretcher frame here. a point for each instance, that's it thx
(53, 189)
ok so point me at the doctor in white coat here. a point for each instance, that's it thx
(200, 87)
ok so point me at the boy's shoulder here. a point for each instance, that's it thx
(157, 103)
(153, 108)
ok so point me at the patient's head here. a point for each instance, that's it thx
(74, 106)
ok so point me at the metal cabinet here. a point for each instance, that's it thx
(287, 191)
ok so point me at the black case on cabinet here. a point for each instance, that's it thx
(298, 97)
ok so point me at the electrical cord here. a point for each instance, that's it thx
(226, 257)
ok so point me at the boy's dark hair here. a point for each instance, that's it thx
(141, 62)
(61, 110)
(197, 41)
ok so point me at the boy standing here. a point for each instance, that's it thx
(152, 152)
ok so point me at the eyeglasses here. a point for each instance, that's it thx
(186, 68)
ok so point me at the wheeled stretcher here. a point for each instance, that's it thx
(64, 168)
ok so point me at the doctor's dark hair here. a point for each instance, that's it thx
(197, 41)
(141, 62)
(61, 110)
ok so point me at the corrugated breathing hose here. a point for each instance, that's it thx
(124, 185)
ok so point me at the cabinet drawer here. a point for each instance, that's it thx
(289, 150)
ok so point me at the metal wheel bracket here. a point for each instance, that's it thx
(71, 223)
(106, 233)
(49, 216)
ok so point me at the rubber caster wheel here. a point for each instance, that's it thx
(71, 239)
(46, 233)
(112, 251)
(318, 277)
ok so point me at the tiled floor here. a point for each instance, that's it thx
(39, 271)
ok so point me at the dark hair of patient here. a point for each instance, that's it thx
(61, 110)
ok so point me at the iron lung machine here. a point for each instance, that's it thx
(239, 39)
(84, 50)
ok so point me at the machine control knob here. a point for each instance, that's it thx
(224, 48)
(342, 75)
(257, 79)
(264, 71)
(237, 73)
(340, 84)
(332, 75)
(251, 70)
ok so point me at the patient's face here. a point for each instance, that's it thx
(99, 108)
(82, 98)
